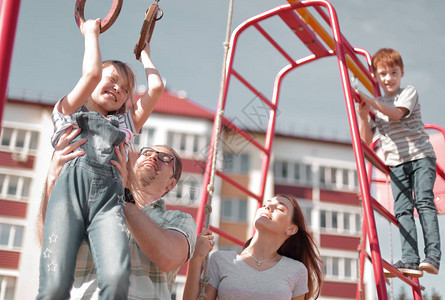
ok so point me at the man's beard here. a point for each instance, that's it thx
(146, 177)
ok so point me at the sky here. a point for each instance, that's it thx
(187, 48)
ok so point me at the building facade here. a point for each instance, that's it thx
(319, 173)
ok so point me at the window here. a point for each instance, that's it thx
(334, 220)
(322, 175)
(297, 171)
(308, 173)
(7, 287)
(19, 139)
(186, 192)
(335, 266)
(182, 142)
(346, 217)
(358, 223)
(348, 267)
(244, 163)
(6, 136)
(323, 219)
(15, 186)
(345, 177)
(189, 144)
(333, 176)
(340, 222)
(284, 173)
(294, 172)
(236, 163)
(234, 210)
(11, 236)
(146, 138)
(355, 179)
(337, 178)
(339, 267)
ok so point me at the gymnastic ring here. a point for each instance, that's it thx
(109, 19)
(151, 17)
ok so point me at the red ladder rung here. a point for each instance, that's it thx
(396, 272)
(237, 185)
(226, 235)
(374, 159)
(303, 32)
(254, 91)
(245, 135)
(384, 212)
(275, 44)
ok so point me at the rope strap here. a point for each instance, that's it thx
(220, 113)
(151, 17)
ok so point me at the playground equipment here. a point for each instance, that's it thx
(106, 22)
(306, 27)
(148, 26)
(151, 17)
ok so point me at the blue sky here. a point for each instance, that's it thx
(187, 49)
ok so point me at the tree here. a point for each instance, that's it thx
(402, 295)
(435, 295)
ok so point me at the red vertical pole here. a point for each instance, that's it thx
(356, 144)
(9, 12)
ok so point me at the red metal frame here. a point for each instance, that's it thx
(9, 12)
(319, 50)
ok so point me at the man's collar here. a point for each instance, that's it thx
(159, 203)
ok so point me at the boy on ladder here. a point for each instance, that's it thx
(410, 156)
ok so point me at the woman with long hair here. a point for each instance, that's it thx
(280, 261)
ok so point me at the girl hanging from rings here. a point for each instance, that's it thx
(88, 196)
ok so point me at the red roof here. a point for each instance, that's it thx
(172, 104)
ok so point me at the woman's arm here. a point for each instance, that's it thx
(204, 244)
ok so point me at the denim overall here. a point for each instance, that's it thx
(87, 203)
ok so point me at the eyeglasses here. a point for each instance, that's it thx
(162, 156)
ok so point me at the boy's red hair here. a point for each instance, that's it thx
(386, 57)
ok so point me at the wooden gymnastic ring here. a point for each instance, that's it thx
(151, 16)
(109, 19)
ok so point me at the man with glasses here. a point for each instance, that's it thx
(160, 240)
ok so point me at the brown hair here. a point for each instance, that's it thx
(128, 75)
(301, 247)
(386, 57)
(178, 161)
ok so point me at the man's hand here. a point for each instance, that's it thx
(121, 164)
(64, 151)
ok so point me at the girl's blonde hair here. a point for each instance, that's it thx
(127, 73)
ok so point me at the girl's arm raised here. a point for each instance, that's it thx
(155, 88)
(91, 70)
